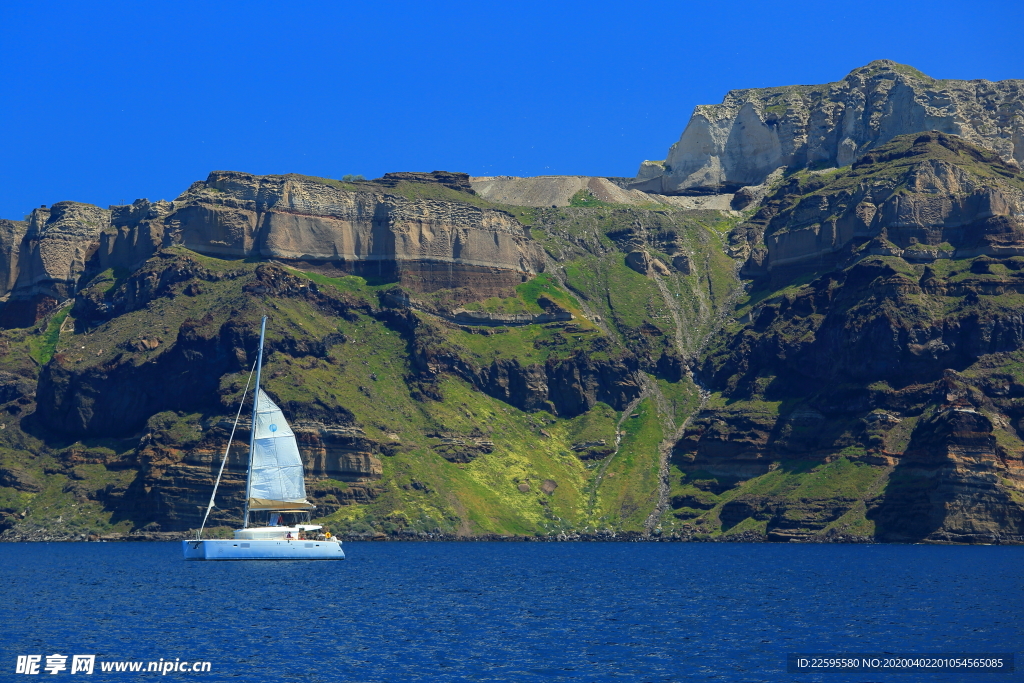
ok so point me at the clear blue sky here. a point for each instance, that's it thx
(105, 102)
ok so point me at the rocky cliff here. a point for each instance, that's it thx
(839, 356)
(424, 231)
(753, 132)
(360, 228)
(52, 254)
(868, 384)
(11, 235)
(924, 197)
(417, 408)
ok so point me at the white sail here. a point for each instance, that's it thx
(276, 477)
(274, 483)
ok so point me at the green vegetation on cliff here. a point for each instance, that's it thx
(848, 392)
(422, 424)
(896, 352)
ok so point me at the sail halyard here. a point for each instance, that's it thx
(252, 427)
(227, 450)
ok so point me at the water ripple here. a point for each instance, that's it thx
(513, 611)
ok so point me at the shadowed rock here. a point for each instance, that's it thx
(753, 132)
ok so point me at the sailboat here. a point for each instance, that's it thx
(275, 487)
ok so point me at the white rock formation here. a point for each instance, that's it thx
(558, 191)
(55, 248)
(753, 132)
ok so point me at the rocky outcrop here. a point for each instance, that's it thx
(564, 386)
(946, 485)
(592, 450)
(338, 452)
(135, 233)
(864, 362)
(903, 368)
(454, 181)
(175, 483)
(570, 386)
(753, 132)
(464, 317)
(367, 228)
(460, 448)
(114, 393)
(645, 264)
(57, 245)
(426, 244)
(923, 197)
(11, 235)
(19, 479)
(117, 396)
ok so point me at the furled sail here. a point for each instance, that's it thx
(277, 481)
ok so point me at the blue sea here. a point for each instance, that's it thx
(512, 611)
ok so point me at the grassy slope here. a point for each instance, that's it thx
(843, 478)
(368, 376)
(913, 308)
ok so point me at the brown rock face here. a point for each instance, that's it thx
(118, 396)
(899, 354)
(683, 263)
(341, 453)
(19, 479)
(905, 370)
(11, 235)
(565, 387)
(175, 484)
(366, 228)
(461, 448)
(135, 233)
(455, 181)
(946, 485)
(753, 132)
(639, 261)
(425, 243)
(52, 256)
(922, 197)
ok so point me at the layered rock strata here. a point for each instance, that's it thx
(752, 132)
(426, 244)
(923, 197)
(52, 255)
(365, 228)
(174, 485)
(893, 368)
(905, 370)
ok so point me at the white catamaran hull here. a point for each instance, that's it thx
(278, 549)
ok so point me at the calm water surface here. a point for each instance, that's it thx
(512, 611)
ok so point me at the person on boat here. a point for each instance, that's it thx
(327, 534)
(289, 536)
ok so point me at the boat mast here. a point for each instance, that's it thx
(227, 450)
(252, 428)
